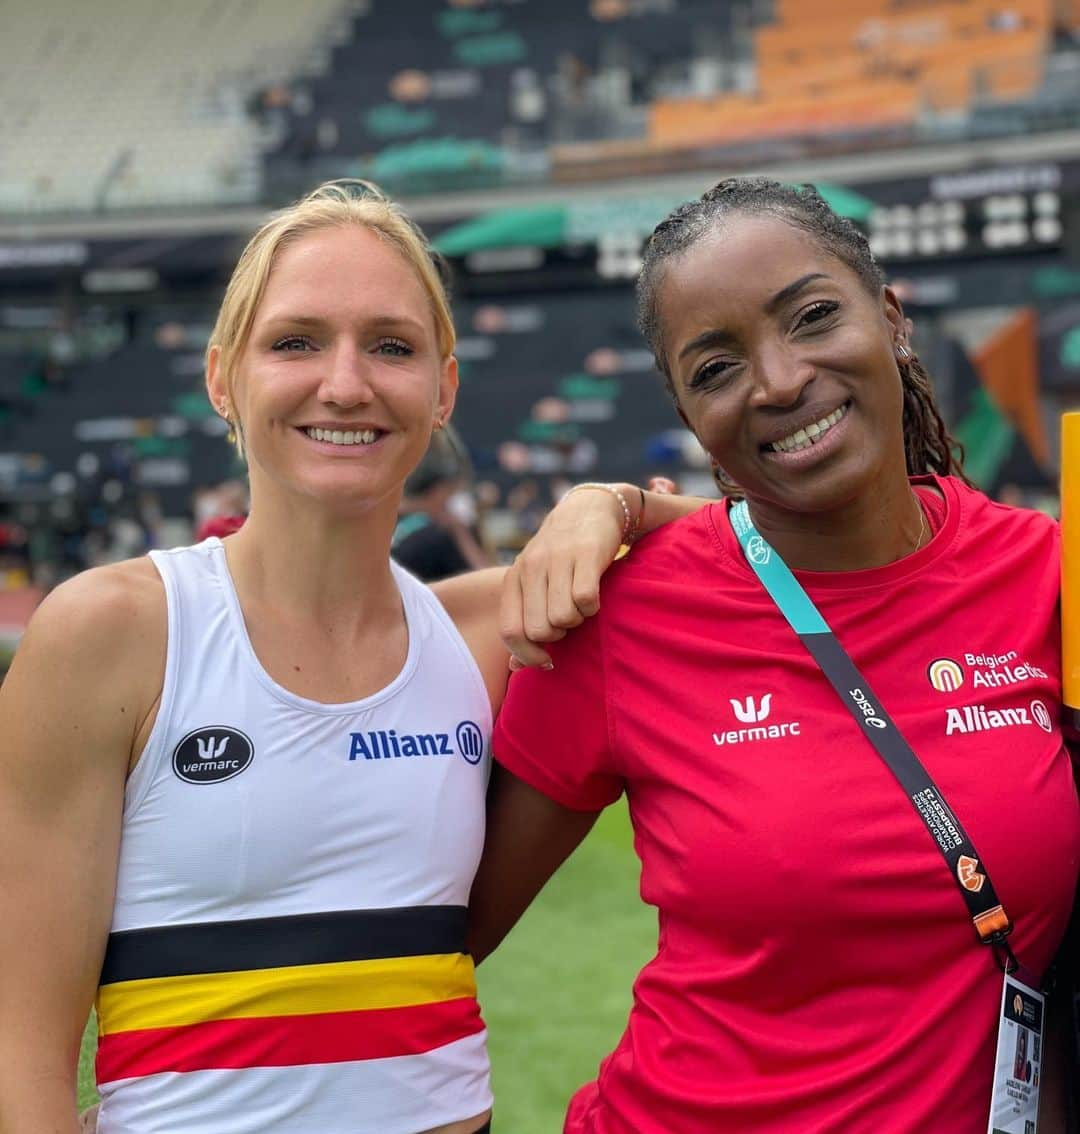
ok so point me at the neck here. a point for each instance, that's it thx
(322, 568)
(855, 536)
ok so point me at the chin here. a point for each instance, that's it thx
(834, 488)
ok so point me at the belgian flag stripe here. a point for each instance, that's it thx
(279, 942)
(290, 1041)
(170, 1002)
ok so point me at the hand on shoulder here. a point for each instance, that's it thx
(554, 584)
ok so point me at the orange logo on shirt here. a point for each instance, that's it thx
(967, 870)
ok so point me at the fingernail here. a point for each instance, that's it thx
(548, 665)
(515, 664)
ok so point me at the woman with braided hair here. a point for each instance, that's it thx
(758, 681)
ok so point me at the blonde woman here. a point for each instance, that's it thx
(242, 784)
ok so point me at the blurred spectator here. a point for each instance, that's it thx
(525, 501)
(220, 509)
(436, 535)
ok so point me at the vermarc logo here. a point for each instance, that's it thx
(213, 754)
(750, 713)
(753, 711)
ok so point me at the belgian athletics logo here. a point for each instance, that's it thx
(945, 675)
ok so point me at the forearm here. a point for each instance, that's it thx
(529, 836)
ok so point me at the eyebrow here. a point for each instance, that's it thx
(717, 337)
(792, 290)
(378, 321)
(706, 339)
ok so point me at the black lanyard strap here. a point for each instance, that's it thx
(988, 916)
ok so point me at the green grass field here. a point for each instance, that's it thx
(557, 992)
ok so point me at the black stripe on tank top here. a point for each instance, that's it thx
(277, 942)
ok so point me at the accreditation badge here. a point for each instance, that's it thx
(1014, 1105)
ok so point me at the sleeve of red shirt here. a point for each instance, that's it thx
(552, 731)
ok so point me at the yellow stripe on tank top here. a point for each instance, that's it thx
(299, 990)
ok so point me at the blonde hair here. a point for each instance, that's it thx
(333, 204)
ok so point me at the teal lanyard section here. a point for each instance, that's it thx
(776, 577)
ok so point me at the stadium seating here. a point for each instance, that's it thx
(870, 64)
(121, 104)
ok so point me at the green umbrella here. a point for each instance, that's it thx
(846, 202)
(551, 226)
(542, 226)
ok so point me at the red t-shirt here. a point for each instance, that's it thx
(816, 966)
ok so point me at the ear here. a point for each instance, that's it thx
(215, 387)
(898, 322)
(448, 387)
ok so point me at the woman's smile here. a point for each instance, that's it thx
(806, 445)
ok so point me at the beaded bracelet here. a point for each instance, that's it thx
(630, 525)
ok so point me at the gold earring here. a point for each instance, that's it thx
(223, 409)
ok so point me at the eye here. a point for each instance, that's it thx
(291, 343)
(816, 312)
(713, 374)
(395, 348)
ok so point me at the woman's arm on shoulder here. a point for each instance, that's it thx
(554, 584)
(81, 687)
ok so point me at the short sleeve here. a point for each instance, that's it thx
(552, 730)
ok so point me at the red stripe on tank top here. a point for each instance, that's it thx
(287, 1041)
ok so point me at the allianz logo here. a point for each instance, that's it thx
(978, 718)
(755, 713)
(389, 744)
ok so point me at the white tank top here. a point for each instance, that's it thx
(286, 951)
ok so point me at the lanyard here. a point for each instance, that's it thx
(988, 916)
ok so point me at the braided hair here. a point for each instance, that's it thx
(928, 445)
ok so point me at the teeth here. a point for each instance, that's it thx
(343, 437)
(804, 438)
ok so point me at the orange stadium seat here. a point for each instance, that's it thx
(906, 31)
(735, 117)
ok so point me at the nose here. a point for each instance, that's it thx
(346, 381)
(780, 375)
